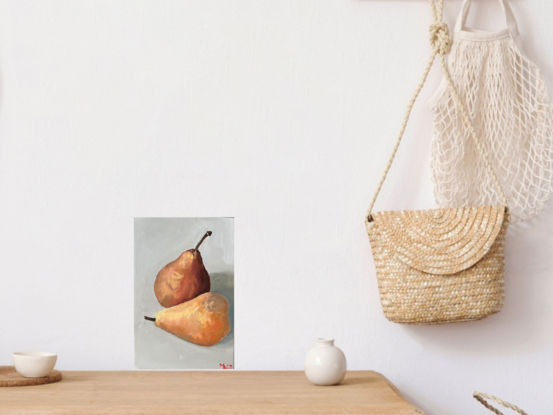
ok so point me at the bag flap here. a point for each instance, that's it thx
(440, 241)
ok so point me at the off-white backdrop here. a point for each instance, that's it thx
(280, 113)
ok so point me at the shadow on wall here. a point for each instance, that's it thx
(521, 325)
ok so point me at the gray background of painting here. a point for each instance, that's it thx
(158, 241)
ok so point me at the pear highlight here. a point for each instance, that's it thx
(183, 279)
(203, 320)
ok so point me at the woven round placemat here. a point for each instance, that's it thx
(10, 377)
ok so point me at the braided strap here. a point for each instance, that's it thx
(481, 397)
(441, 45)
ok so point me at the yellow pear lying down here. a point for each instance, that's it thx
(202, 320)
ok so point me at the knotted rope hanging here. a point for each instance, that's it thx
(441, 45)
(439, 38)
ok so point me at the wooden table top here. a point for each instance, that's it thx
(208, 392)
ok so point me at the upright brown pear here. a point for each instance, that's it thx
(183, 279)
(203, 320)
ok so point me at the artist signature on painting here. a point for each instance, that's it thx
(223, 366)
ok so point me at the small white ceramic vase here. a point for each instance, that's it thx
(325, 364)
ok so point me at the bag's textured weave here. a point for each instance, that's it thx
(439, 266)
(508, 103)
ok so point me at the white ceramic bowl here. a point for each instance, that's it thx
(34, 364)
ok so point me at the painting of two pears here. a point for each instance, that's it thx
(190, 301)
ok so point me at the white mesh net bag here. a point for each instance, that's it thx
(508, 103)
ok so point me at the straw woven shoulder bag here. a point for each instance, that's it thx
(443, 265)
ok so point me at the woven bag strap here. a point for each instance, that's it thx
(441, 45)
(481, 397)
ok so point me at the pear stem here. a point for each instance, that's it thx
(149, 319)
(208, 233)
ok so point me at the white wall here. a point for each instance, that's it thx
(280, 113)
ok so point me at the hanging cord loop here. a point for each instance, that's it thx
(441, 45)
(481, 397)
